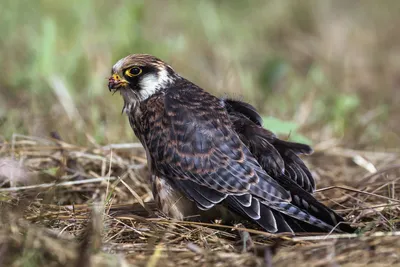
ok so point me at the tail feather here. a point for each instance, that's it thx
(307, 202)
(295, 212)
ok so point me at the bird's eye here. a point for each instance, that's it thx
(134, 71)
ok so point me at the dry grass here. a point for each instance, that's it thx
(93, 215)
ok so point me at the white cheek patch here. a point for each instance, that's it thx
(148, 86)
(151, 83)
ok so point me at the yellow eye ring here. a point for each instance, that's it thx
(132, 72)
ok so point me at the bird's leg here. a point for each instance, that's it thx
(247, 242)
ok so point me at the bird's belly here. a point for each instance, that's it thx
(171, 201)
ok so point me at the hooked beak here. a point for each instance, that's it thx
(115, 82)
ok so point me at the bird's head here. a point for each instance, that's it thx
(139, 76)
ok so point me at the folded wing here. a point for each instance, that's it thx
(280, 159)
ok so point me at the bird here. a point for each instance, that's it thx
(211, 157)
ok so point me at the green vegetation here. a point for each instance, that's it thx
(285, 128)
(325, 65)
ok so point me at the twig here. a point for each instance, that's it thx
(86, 181)
(123, 146)
(344, 236)
(356, 191)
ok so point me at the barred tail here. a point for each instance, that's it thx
(299, 214)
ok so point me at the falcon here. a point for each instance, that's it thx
(211, 157)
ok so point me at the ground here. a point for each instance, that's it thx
(95, 215)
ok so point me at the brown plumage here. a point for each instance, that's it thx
(205, 153)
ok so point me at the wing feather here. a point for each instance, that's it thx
(204, 197)
(211, 159)
(253, 211)
(281, 161)
(199, 144)
(276, 155)
(245, 200)
(281, 222)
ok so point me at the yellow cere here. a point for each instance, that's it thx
(116, 77)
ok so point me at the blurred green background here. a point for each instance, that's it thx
(318, 70)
